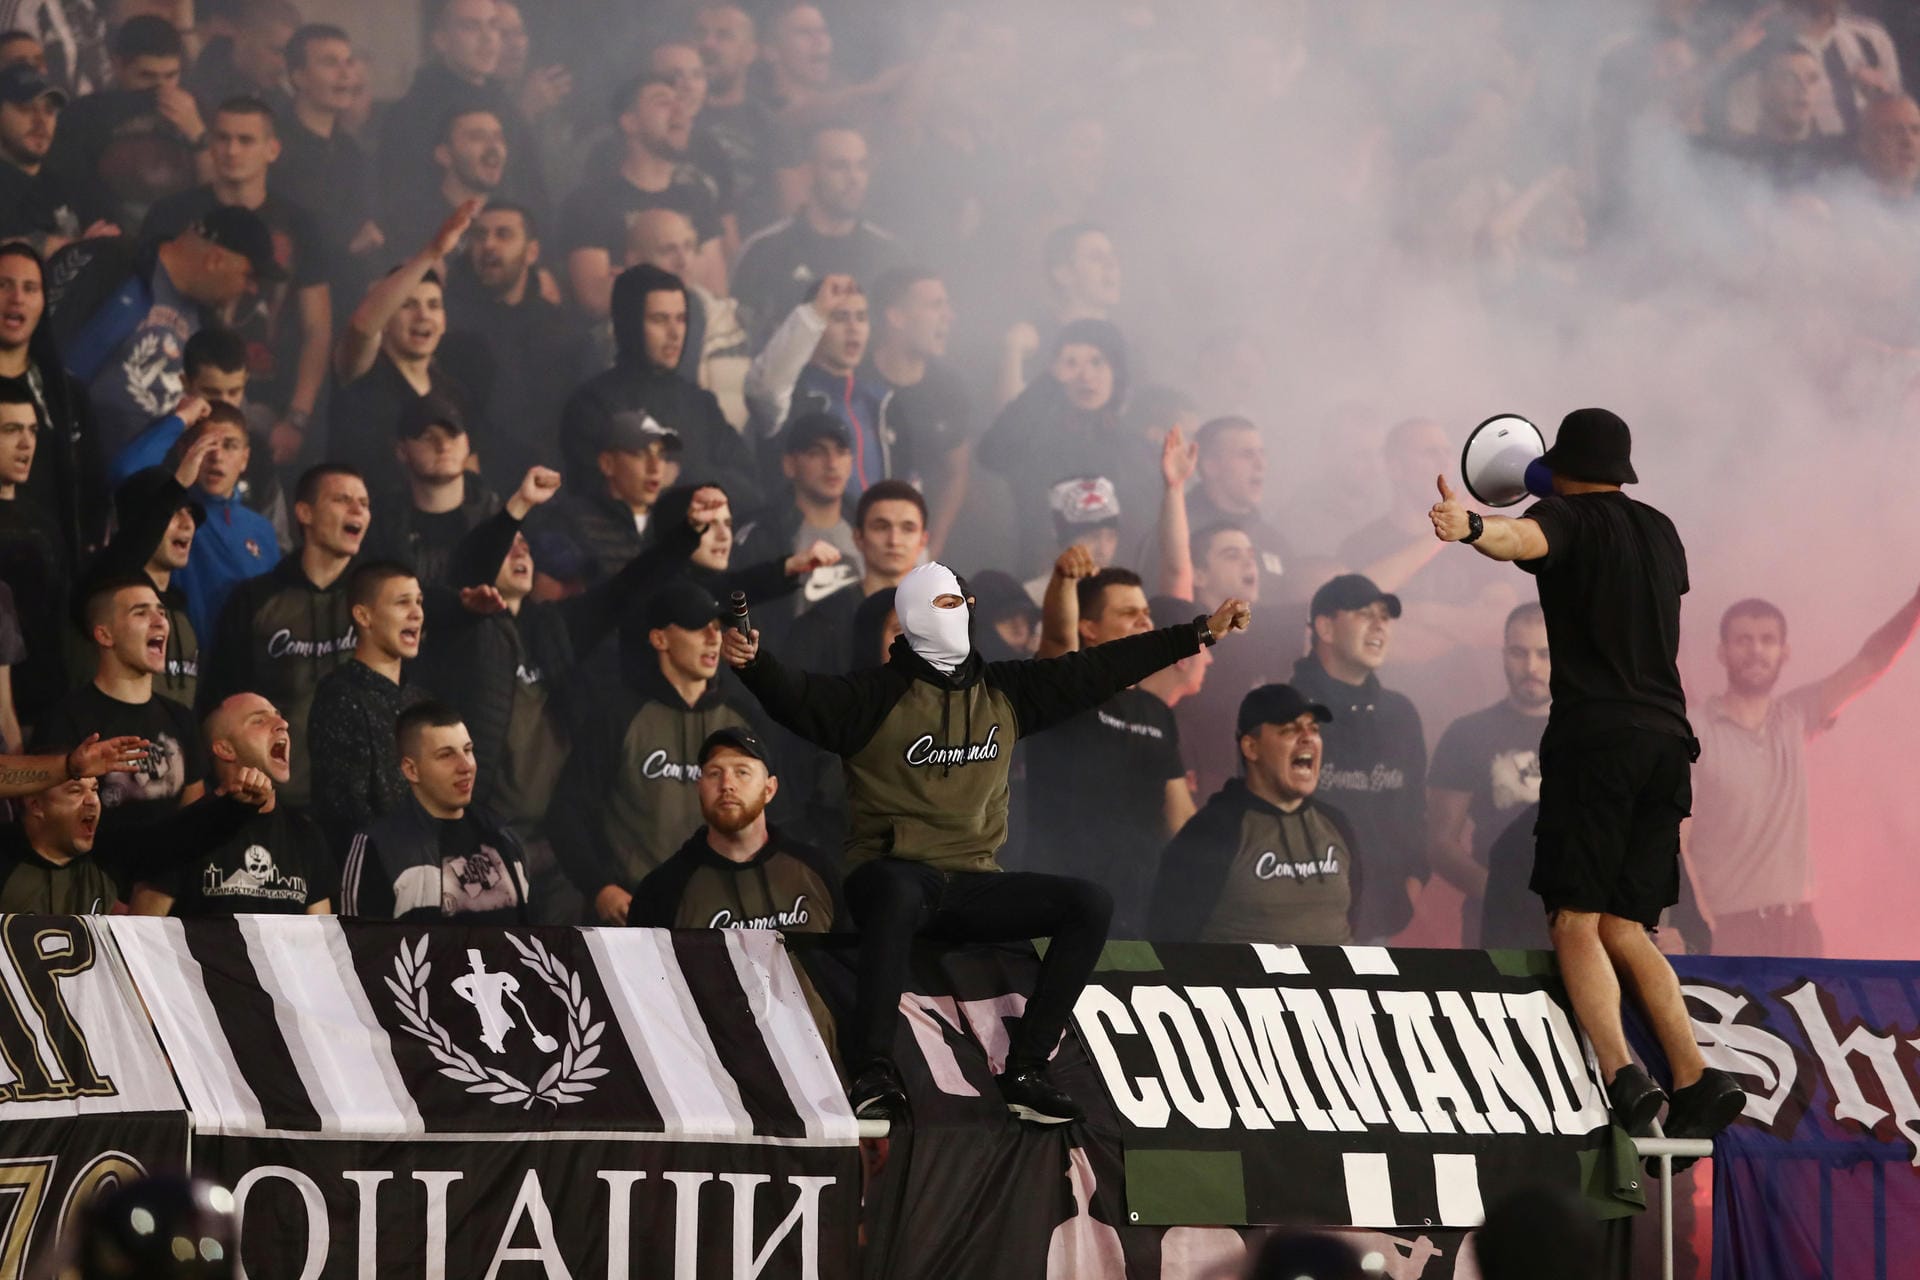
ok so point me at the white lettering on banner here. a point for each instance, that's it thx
(656, 767)
(1141, 1100)
(923, 751)
(1274, 1056)
(1817, 1017)
(319, 1237)
(368, 1181)
(527, 1231)
(1768, 1063)
(281, 644)
(545, 1250)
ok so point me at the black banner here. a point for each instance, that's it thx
(1341, 1085)
(51, 1169)
(969, 1193)
(622, 1209)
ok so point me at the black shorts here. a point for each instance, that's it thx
(1608, 835)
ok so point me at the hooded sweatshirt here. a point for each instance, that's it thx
(1374, 767)
(927, 752)
(1042, 438)
(1242, 870)
(233, 544)
(711, 450)
(631, 791)
(278, 636)
(130, 550)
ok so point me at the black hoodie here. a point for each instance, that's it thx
(279, 635)
(1375, 768)
(1242, 870)
(1042, 438)
(630, 793)
(711, 450)
(927, 753)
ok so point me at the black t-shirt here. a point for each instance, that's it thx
(929, 419)
(1096, 795)
(364, 420)
(34, 567)
(746, 136)
(49, 203)
(277, 864)
(477, 884)
(137, 799)
(1610, 586)
(600, 213)
(1493, 756)
(270, 319)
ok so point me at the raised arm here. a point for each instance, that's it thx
(1177, 461)
(1880, 652)
(359, 339)
(1501, 538)
(1060, 610)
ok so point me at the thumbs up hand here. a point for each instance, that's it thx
(1449, 516)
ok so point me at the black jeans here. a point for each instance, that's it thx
(894, 900)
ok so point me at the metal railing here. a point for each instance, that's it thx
(1659, 1148)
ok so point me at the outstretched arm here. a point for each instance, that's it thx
(1880, 651)
(1046, 691)
(359, 342)
(1501, 539)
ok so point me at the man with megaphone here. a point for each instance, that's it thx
(1616, 758)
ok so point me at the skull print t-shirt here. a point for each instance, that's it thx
(277, 864)
(151, 792)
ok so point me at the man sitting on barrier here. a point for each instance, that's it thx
(928, 740)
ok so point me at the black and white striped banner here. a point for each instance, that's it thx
(282, 1026)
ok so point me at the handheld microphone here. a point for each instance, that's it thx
(737, 613)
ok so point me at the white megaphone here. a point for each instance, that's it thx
(1502, 462)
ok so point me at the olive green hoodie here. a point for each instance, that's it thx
(927, 753)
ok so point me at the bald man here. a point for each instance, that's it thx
(276, 863)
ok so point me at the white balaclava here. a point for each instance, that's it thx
(936, 634)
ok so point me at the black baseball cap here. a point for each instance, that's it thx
(681, 603)
(242, 232)
(634, 430)
(735, 739)
(1351, 591)
(146, 487)
(431, 411)
(809, 429)
(1594, 445)
(1275, 704)
(21, 83)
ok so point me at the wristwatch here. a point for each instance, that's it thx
(1203, 627)
(1475, 527)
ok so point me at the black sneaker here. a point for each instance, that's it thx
(1635, 1100)
(1703, 1109)
(877, 1094)
(1031, 1096)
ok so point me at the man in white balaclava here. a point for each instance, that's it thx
(926, 741)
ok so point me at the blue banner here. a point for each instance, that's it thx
(1820, 1176)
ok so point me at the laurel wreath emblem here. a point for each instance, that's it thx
(567, 1080)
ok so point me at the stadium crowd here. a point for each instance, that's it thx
(376, 476)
